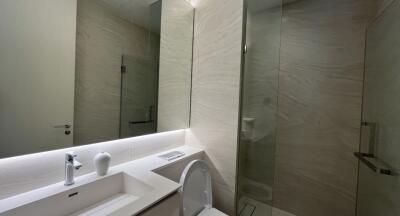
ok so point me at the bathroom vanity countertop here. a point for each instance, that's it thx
(141, 169)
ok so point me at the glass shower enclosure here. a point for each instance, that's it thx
(378, 185)
(259, 105)
(378, 180)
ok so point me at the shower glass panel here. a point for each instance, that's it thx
(138, 96)
(259, 105)
(379, 182)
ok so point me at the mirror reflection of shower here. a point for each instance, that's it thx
(139, 78)
(138, 96)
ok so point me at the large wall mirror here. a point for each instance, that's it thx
(75, 72)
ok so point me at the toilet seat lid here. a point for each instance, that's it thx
(196, 191)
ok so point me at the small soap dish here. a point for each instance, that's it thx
(171, 155)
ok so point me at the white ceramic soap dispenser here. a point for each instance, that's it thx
(101, 163)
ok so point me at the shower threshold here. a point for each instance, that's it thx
(250, 207)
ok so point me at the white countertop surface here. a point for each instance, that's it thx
(141, 169)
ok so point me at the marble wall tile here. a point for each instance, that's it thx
(215, 92)
(382, 5)
(320, 93)
(175, 65)
(28, 172)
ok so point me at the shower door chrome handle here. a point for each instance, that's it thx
(245, 49)
(374, 164)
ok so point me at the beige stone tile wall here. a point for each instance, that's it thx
(215, 93)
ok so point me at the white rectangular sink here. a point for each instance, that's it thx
(100, 197)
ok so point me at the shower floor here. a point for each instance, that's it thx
(250, 207)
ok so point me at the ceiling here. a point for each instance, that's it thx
(145, 13)
(260, 5)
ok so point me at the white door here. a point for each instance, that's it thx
(37, 64)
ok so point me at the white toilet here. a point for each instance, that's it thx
(196, 191)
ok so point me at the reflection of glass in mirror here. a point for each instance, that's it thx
(76, 72)
(138, 96)
(116, 69)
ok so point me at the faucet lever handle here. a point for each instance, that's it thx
(69, 156)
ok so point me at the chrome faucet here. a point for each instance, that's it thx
(71, 164)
